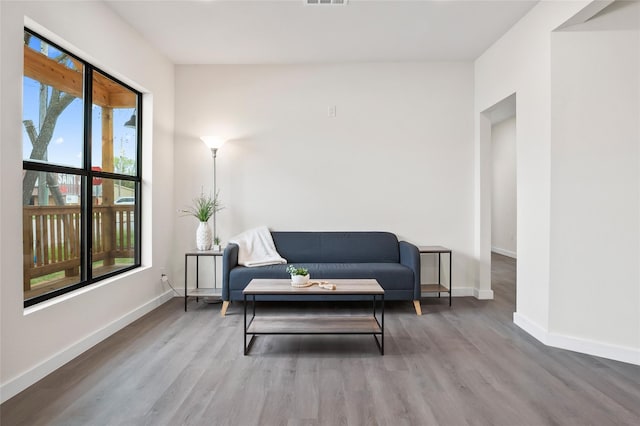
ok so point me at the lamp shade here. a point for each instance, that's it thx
(131, 124)
(212, 142)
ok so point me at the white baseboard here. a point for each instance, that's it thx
(504, 252)
(530, 327)
(578, 344)
(470, 292)
(26, 379)
(483, 294)
(457, 292)
(462, 292)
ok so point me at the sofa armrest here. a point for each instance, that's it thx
(229, 261)
(410, 257)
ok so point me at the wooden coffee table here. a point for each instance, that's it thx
(314, 324)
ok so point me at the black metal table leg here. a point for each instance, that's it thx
(439, 279)
(245, 325)
(382, 328)
(450, 279)
(247, 346)
(379, 342)
(197, 274)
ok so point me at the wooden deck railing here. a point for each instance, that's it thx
(51, 238)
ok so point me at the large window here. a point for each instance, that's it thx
(81, 172)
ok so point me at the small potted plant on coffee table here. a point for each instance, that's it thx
(299, 276)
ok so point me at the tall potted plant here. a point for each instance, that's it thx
(203, 208)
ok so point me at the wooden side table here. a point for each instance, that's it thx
(201, 292)
(437, 287)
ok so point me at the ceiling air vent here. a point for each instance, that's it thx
(334, 2)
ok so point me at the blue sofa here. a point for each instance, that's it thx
(394, 264)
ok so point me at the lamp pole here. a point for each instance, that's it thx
(214, 143)
(214, 154)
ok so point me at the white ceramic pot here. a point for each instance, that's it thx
(204, 237)
(299, 280)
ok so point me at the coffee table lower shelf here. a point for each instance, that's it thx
(314, 325)
(335, 324)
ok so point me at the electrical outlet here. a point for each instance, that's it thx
(163, 274)
(331, 111)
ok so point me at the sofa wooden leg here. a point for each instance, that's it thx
(416, 304)
(225, 305)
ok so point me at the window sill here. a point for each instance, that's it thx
(63, 298)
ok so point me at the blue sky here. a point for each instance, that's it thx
(65, 147)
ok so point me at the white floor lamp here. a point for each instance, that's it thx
(214, 143)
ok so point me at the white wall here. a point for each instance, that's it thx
(38, 340)
(397, 157)
(503, 200)
(595, 181)
(520, 63)
(577, 175)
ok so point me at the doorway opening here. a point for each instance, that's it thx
(501, 198)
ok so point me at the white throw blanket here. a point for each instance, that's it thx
(256, 248)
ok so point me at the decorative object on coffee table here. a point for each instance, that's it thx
(299, 276)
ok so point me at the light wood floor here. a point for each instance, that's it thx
(467, 364)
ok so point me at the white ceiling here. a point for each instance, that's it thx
(289, 31)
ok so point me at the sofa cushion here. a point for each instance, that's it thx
(391, 276)
(334, 247)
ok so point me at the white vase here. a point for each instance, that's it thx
(299, 280)
(204, 237)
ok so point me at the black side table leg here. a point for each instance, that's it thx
(382, 335)
(197, 275)
(439, 278)
(450, 280)
(185, 282)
